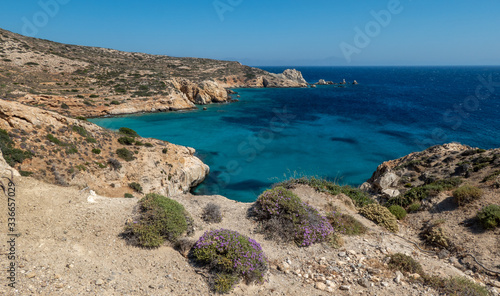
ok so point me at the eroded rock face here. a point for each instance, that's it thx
(202, 93)
(82, 156)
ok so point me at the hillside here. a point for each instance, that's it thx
(91, 82)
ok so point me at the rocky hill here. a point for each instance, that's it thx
(89, 81)
(66, 151)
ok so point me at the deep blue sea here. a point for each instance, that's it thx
(342, 134)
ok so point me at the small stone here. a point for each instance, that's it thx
(70, 265)
(289, 261)
(342, 254)
(30, 275)
(345, 287)
(351, 252)
(398, 277)
(443, 254)
(495, 284)
(57, 276)
(341, 263)
(329, 283)
(320, 286)
(99, 282)
(469, 272)
(306, 276)
(415, 276)
(59, 286)
(385, 284)
(364, 283)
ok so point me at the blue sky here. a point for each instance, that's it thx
(257, 32)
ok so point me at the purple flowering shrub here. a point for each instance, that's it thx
(230, 256)
(283, 214)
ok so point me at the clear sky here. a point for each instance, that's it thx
(274, 32)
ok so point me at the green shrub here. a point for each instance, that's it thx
(417, 194)
(93, 96)
(90, 140)
(55, 140)
(115, 164)
(359, 197)
(64, 106)
(283, 215)
(405, 263)
(96, 151)
(414, 207)
(492, 176)
(102, 166)
(398, 211)
(164, 151)
(128, 132)
(12, 155)
(126, 140)
(466, 194)
(72, 150)
(128, 195)
(136, 186)
(380, 215)
(161, 219)
(81, 118)
(455, 286)
(228, 255)
(149, 145)
(125, 154)
(115, 102)
(345, 224)
(139, 143)
(80, 130)
(25, 173)
(489, 216)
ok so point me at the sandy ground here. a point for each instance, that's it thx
(70, 244)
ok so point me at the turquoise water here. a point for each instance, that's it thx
(341, 134)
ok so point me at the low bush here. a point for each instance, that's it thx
(455, 286)
(139, 143)
(164, 151)
(126, 140)
(80, 130)
(345, 224)
(128, 195)
(136, 186)
(414, 207)
(434, 235)
(466, 194)
(72, 150)
(380, 215)
(128, 132)
(212, 213)
(359, 197)
(398, 211)
(10, 154)
(405, 263)
(64, 106)
(489, 216)
(161, 219)
(81, 118)
(149, 145)
(230, 257)
(96, 151)
(283, 209)
(125, 154)
(417, 194)
(184, 245)
(55, 140)
(115, 164)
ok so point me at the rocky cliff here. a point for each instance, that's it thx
(68, 151)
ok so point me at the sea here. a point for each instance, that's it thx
(338, 132)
